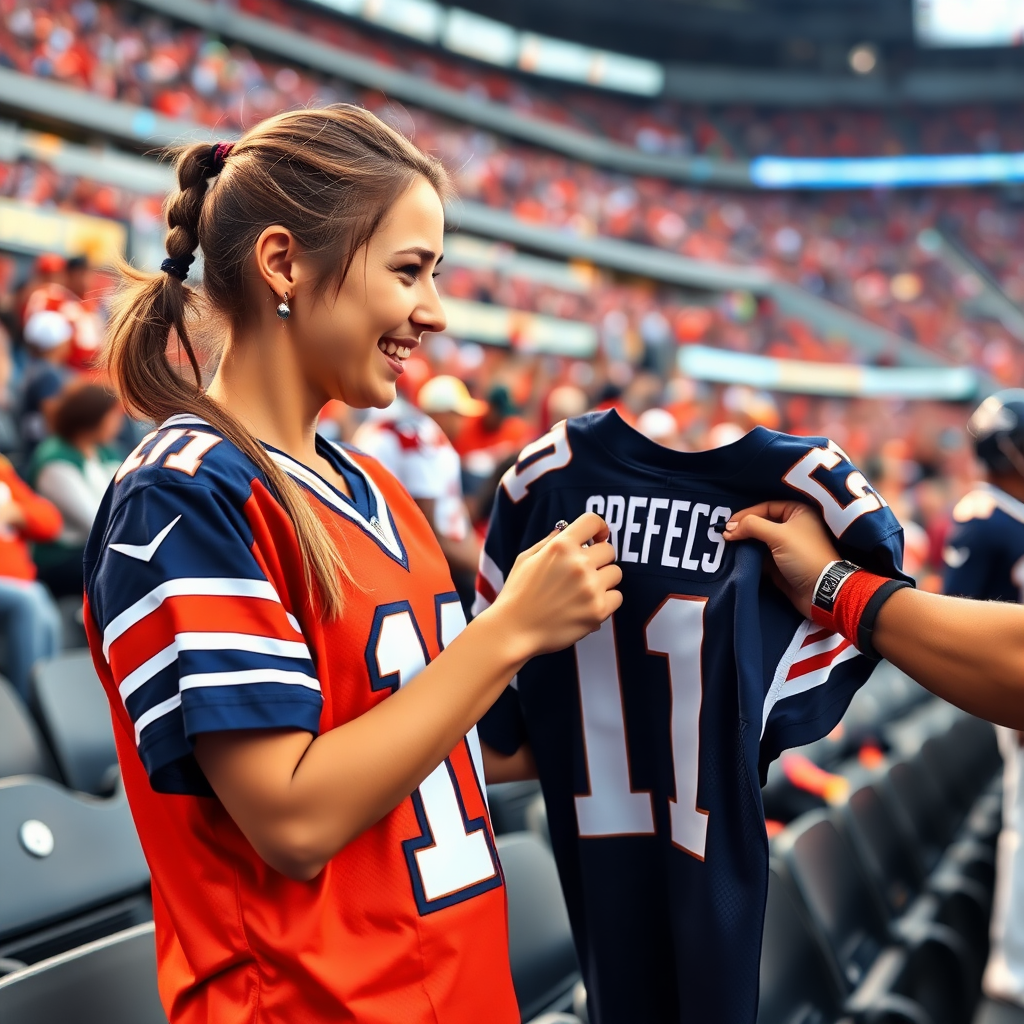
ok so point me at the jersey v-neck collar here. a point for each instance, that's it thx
(1007, 502)
(379, 524)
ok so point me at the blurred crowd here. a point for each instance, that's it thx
(883, 256)
(123, 51)
(876, 254)
(63, 434)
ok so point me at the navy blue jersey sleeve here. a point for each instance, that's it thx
(196, 636)
(818, 472)
(971, 561)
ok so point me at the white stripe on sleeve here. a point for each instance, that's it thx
(211, 642)
(194, 586)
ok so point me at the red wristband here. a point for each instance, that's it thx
(853, 597)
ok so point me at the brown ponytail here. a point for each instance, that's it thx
(330, 176)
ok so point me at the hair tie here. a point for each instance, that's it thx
(177, 266)
(218, 154)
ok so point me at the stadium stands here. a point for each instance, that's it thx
(72, 866)
(109, 981)
(75, 715)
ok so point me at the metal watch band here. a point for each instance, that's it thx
(832, 577)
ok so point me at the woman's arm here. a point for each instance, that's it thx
(971, 653)
(515, 767)
(66, 487)
(300, 799)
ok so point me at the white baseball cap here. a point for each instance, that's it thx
(48, 330)
(449, 394)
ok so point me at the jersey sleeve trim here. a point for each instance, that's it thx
(808, 662)
(211, 586)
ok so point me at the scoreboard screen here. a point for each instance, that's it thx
(969, 22)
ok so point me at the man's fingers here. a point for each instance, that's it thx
(776, 511)
(753, 527)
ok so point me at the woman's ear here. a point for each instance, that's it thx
(276, 251)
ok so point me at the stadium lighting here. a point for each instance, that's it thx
(863, 59)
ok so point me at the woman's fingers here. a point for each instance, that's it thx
(588, 527)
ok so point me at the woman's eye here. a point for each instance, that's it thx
(411, 270)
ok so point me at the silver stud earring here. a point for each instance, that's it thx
(283, 309)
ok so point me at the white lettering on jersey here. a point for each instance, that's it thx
(838, 517)
(663, 526)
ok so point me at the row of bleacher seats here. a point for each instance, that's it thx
(877, 908)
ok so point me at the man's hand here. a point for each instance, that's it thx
(800, 545)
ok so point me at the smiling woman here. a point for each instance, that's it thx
(292, 681)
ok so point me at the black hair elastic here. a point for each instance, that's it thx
(177, 266)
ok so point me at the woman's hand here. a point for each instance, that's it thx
(559, 590)
(800, 545)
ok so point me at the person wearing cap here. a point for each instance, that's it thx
(48, 338)
(497, 432)
(414, 444)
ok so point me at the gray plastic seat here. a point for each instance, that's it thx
(541, 950)
(72, 869)
(22, 748)
(507, 802)
(110, 981)
(75, 715)
(991, 1012)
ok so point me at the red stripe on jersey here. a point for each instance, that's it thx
(812, 664)
(189, 614)
(484, 588)
(813, 638)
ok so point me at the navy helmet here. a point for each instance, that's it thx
(997, 427)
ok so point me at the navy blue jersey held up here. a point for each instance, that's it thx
(984, 554)
(651, 734)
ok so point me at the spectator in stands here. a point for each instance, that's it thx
(72, 468)
(414, 447)
(84, 313)
(497, 433)
(48, 338)
(29, 618)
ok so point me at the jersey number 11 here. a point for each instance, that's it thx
(613, 807)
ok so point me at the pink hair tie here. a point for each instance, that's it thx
(218, 154)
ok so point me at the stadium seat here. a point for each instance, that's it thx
(507, 802)
(72, 626)
(536, 819)
(921, 809)
(932, 967)
(109, 981)
(72, 869)
(22, 748)
(73, 710)
(992, 1012)
(541, 950)
(796, 981)
(962, 904)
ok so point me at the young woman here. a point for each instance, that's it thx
(72, 468)
(292, 690)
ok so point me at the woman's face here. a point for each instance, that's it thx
(353, 344)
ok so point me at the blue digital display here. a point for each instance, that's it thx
(886, 171)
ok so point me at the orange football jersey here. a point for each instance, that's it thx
(199, 620)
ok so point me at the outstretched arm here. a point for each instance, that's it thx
(971, 653)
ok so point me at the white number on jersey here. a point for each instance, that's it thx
(613, 807)
(187, 459)
(456, 859)
(839, 517)
(549, 452)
